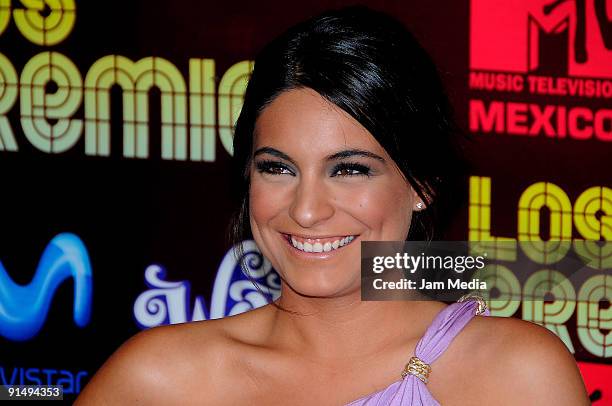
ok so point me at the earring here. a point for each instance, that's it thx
(419, 205)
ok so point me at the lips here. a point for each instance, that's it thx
(317, 245)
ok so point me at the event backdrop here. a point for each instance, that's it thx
(115, 137)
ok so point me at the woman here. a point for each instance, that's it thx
(343, 137)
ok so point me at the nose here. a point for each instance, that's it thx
(312, 202)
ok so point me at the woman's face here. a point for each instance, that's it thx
(321, 184)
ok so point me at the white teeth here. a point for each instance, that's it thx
(319, 247)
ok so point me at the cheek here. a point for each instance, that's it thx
(259, 213)
(261, 207)
(258, 209)
(384, 209)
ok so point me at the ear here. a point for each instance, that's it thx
(420, 203)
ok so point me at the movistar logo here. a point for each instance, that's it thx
(24, 308)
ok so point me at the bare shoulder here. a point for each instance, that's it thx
(152, 367)
(525, 363)
(174, 364)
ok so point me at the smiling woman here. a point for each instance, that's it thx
(333, 185)
(343, 138)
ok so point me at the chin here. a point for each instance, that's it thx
(321, 285)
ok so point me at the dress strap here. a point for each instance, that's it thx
(412, 389)
(441, 332)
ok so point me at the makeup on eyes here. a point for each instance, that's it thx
(348, 168)
(353, 169)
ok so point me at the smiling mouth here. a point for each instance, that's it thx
(319, 245)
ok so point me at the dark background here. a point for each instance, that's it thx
(131, 213)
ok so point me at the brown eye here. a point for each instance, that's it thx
(347, 172)
(347, 169)
(276, 170)
(272, 168)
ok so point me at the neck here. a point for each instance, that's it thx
(341, 327)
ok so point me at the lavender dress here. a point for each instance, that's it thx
(412, 390)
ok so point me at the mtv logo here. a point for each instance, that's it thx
(554, 37)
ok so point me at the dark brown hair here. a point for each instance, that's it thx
(369, 65)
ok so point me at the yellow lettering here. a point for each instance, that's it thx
(536, 196)
(479, 222)
(136, 79)
(38, 105)
(592, 319)
(593, 220)
(46, 30)
(8, 95)
(231, 96)
(5, 14)
(555, 313)
(202, 110)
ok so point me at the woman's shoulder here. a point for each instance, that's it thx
(513, 339)
(519, 361)
(172, 364)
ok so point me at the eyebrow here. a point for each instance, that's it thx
(347, 153)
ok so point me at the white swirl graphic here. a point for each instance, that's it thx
(162, 305)
(235, 291)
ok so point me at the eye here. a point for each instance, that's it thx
(272, 168)
(351, 169)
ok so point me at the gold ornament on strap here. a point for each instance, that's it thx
(417, 368)
(482, 305)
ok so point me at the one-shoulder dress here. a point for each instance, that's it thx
(412, 389)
